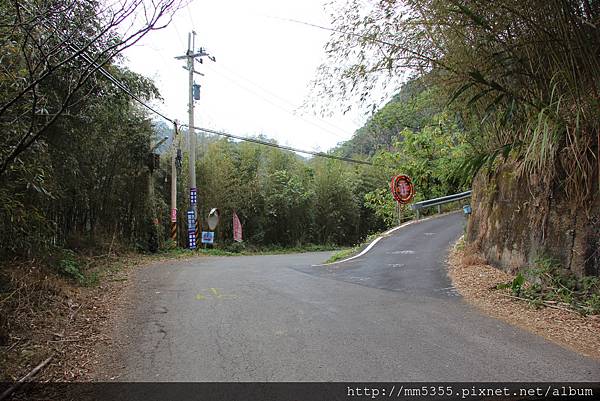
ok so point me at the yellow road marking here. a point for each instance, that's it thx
(213, 293)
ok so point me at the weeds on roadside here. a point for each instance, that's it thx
(79, 268)
(343, 254)
(546, 284)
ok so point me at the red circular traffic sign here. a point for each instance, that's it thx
(402, 189)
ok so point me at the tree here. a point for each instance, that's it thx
(337, 212)
(87, 179)
(51, 53)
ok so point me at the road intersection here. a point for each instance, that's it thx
(390, 315)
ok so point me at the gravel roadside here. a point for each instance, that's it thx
(476, 281)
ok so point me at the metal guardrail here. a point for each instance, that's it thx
(439, 202)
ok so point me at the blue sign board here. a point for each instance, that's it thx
(208, 237)
(191, 222)
(192, 239)
(193, 196)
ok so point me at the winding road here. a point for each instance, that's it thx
(389, 315)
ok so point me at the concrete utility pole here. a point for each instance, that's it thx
(153, 163)
(174, 185)
(191, 131)
(192, 214)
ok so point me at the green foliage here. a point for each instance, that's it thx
(282, 199)
(68, 266)
(516, 285)
(72, 145)
(91, 279)
(381, 203)
(412, 108)
(546, 283)
(236, 247)
(343, 254)
(432, 154)
(86, 183)
(523, 77)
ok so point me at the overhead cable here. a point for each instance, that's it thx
(284, 147)
(82, 53)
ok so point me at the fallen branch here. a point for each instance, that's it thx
(9, 296)
(15, 344)
(549, 304)
(29, 375)
(66, 340)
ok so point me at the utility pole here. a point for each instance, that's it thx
(191, 131)
(194, 94)
(153, 163)
(174, 184)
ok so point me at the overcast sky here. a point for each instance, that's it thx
(262, 73)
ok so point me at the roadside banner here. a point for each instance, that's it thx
(237, 228)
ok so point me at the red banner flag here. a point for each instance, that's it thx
(237, 228)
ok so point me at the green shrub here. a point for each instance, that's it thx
(547, 283)
(236, 247)
(68, 266)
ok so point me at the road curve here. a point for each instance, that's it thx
(390, 315)
(411, 259)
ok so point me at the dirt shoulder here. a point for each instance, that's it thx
(43, 315)
(476, 281)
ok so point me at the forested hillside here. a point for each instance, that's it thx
(284, 199)
(281, 198)
(523, 79)
(77, 172)
(417, 134)
(412, 108)
(88, 182)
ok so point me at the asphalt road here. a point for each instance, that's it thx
(391, 315)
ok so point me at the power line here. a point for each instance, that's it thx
(276, 96)
(224, 134)
(284, 147)
(126, 90)
(187, 6)
(178, 35)
(327, 130)
(369, 38)
(99, 68)
(383, 42)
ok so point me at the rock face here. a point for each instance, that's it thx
(517, 219)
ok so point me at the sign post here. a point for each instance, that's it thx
(402, 189)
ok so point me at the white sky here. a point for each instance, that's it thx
(262, 73)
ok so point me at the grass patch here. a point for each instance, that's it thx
(343, 254)
(296, 249)
(349, 252)
(245, 250)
